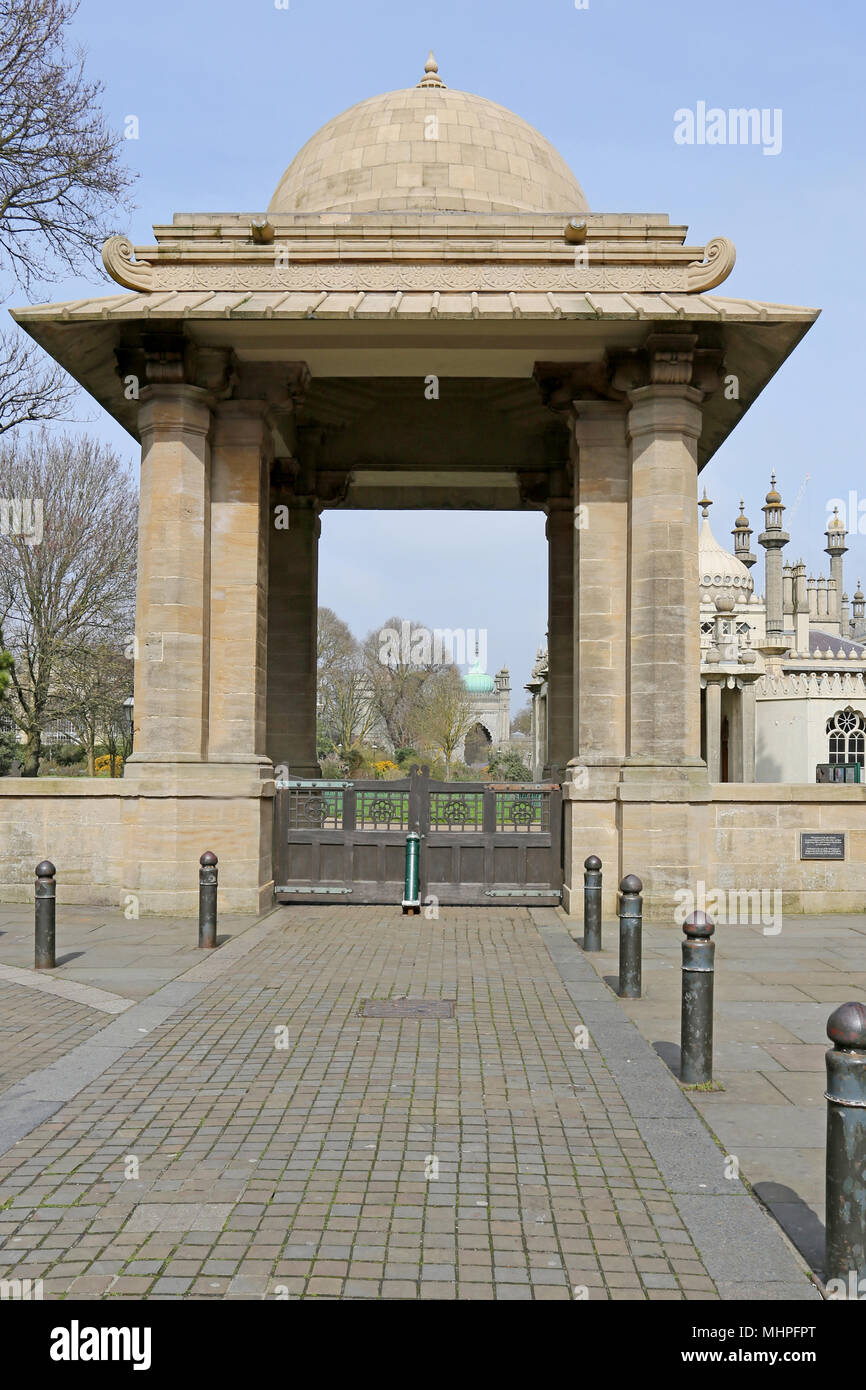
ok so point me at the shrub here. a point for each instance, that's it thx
(68, 754)
(8, 753)
(384, 768)
(508, 767)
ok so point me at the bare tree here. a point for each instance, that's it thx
(398, 668)
(61, 177)
(446, 714)
(345, 695)
(67, 565)
(522, 721)
(60, 166)
(30, 389)
(92, 679)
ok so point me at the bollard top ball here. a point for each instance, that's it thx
(593, 863)
(631, 884)
(846, 1027)
(699, 925)
(208, 859)
(46, 869)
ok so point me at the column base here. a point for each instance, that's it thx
(181, 775)
(658, 779)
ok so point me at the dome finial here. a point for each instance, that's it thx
(431, 76)
(705, 503)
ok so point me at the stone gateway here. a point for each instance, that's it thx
(274, 366)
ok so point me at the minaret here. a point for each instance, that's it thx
(801, 608)
(858, 611)
(742, 534)
(835, 548)
(773, 539)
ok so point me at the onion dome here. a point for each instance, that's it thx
(720, 571)
(721, 574)
(477, 682)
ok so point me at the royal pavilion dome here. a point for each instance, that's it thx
(428, 149)
(477, 682)
(721, 573)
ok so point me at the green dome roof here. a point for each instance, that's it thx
(477, 681)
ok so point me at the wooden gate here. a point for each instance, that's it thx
(481, 842)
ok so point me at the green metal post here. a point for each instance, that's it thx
(411, 882)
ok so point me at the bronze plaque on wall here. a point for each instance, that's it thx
(822, 846)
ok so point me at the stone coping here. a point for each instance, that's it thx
(222, 787)
(767, 793)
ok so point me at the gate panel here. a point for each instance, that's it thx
(479, 841)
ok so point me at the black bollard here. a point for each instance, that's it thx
(207, 900)
(46, 898)
(630, 930)
(592, 903)
(846, 1146)
(696, 1021)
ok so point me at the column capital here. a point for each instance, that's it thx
(598, 422)
(175, 406)
(665, 409)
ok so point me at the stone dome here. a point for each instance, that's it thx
(720, 572)
(428, 148)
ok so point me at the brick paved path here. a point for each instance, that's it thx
(306, 1169)
(36, 1029)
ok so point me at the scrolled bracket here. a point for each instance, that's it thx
(719, 257)
(117, 257)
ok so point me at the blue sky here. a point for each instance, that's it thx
(226, 93)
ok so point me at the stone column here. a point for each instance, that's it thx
(735, 736)
(747, 732)
(172, 607)
(713, 729)
(239, 582)
(600, 582)
(292, 627)
(664, 425)
(560, 641)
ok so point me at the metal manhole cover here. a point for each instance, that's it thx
(407, 1008)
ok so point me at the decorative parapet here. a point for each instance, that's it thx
(359, 259)
(817, 684)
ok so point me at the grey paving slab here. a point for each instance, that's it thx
(308, 1164)
(771, 1111)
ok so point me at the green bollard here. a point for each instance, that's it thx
(411, 881)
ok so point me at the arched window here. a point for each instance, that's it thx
(847, 730)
